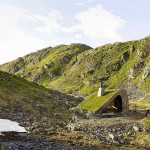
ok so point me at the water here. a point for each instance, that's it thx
(7, 126)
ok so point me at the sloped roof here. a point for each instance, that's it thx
(93, 102)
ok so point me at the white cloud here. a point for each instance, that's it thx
(82, 2)
(76, 39)
(20, 45)
(100, 25)
(78, 36)
(94, 26)
(95, 23)
(49, 23)
(14, 42)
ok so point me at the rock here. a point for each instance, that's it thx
(86, 82)
(82, 75)
(146, 73)
(70, 127)
(4, 147)
(46, 66)
(132, 73)
(147, 114)
(125, 56)
(111, 136)
(90, 71)
(132, 49)
(13, 69)
(74, 118)
(135, 128)
(64, 60)
(51, 74)
(114, 134)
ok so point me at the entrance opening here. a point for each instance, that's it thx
(118, 103)
(115, 106)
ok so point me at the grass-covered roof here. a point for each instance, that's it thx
(93, 102)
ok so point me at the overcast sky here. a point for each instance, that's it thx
(29, 25)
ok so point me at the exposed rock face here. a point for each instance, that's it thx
(125, 56)
(133, 91)
(146, 73)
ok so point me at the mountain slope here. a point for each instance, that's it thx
(28, 102)
(78, 69)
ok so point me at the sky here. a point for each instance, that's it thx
(29, 25)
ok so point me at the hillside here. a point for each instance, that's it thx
(78, 69)
(29, 103)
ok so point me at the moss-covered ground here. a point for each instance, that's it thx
(143, 104)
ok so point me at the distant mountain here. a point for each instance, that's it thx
(78, 69)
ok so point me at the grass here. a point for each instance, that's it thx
(140, 104)
(141, 139)
(146, 122)
(93, 102)
(78, 68)
(20, 94)
(76, 138)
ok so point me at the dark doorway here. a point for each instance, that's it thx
(118, 103)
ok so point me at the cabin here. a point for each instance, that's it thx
(117, 103)
(114, 101)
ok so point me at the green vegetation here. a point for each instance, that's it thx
(146, 122)
(93, 102)
(140, 104)
(19, 94)
(77, 138)
(78, 69)
(141, 139)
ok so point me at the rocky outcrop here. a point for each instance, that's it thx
(146, 73)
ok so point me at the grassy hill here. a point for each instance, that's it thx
(75, 69)
(20, 97)
(78, 69)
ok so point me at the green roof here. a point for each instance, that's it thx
(93, 102)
